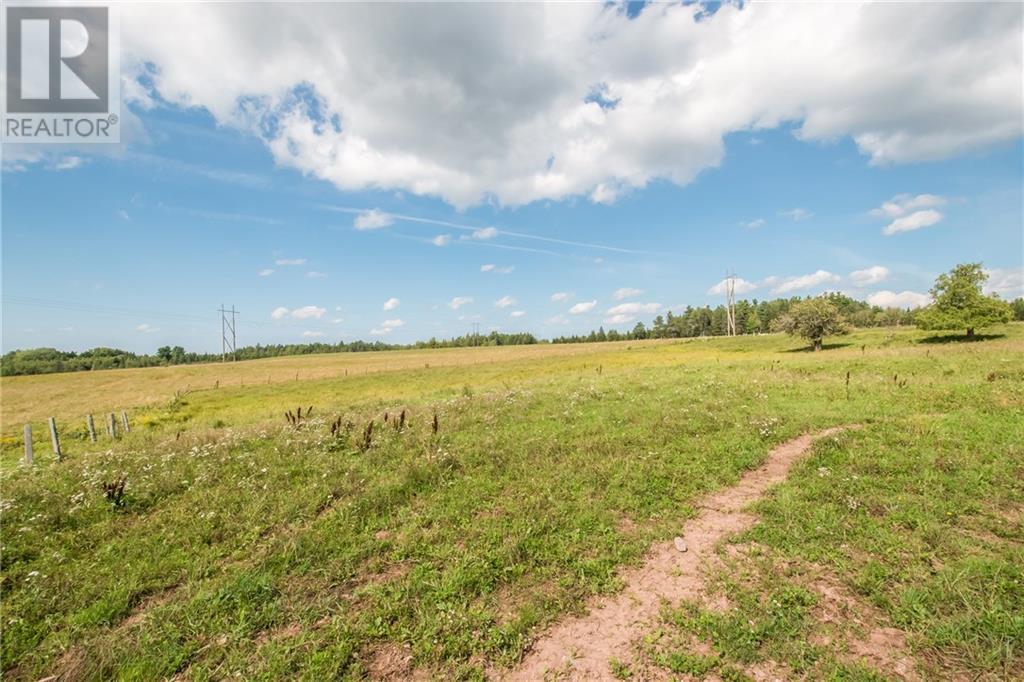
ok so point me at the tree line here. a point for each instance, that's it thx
(752, 317)
(50, 360)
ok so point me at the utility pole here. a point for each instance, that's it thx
(730, 296)
(226, 328)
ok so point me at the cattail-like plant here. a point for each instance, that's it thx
(435, 425)
(367, 441)
(400, 422)
(114, 492)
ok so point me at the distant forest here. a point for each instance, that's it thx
(751, 317)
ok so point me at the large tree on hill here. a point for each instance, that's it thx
(813, 319)
(959, 302)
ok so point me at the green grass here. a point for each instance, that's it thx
(245, 546)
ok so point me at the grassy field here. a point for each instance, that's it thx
(70, 396)
(245, 546)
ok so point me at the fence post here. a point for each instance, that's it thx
(28, 444)
(54, 440)
(112, 425)
(124, 421)
(89, 424)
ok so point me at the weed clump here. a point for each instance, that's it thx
(339, 429)
(367, 439)
(113, 492)
(297, 418)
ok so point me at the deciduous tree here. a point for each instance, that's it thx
(814, 319)
(961, 304)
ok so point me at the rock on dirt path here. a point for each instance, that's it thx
(581, 647)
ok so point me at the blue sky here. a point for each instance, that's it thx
(136, 247)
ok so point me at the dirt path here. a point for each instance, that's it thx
(580, 647)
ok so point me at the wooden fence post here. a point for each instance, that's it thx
(112, 425)
(124, 421)
(28, 444)
(91, 425)
(54, 440)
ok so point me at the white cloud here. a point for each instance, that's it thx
(909, 212)
(146, 328)
(391, 303)
(316, 274)
(605, 193)
(626, 292)
(869, 276)
(797, 214)
(459, 301)
(785, 285)
(903, 299)
(441, 240)
(498, 270)
(309, 311)
(68, 163)
(373, 219)
(505, 302)
(753, 224)
(740, 286)
(634, 308)
(1007, 282)
(266, 272)
(485, 233)
(680, 80)
(558, 319)
(312, 334)
(123, 215)
(386, 327)
(628, 312)
(560, 296)
(914, 221)
(290, 261)
(901, 204)
(517, 313)
(583, 307)
(303, 313)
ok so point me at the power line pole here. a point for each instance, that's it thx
(226, 328)
(730, 296)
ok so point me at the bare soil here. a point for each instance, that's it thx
(581, 647)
